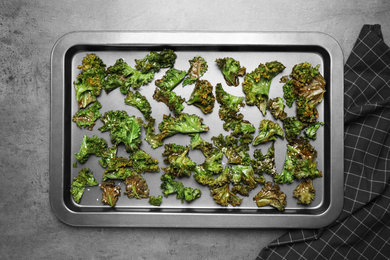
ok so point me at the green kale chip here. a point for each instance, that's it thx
(243, 178)
(88, 84)
(91, 145)
(140, 102)
(292, 127)
(300, 162)
(276, 106)
(235, 151)
(154, 61)
(264, 163)
(202, 96)
(170, 186)
(231, 70)
(257, 84)
(88, 116)
(155, 201)
(271, 195)
(123, 129)
(223, 196)
(143, 162)
(179, 164)
(306, 85)
(269, 131)
(311, 131)
(171, 79)
(122, 75)
(79, 183)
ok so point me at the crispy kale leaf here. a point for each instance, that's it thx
(243, 178)
(198, 67)
(235, 151)
(288, 91)
(120, 173)
(300, 162)
(170, 186)
(276, 106)
(269, 131)
(264, 163)
(228, 112)
(311, 131)
(231, 70)
(89, 82)
(123, 129)
(224, 196)
(111, 192)
(183, 123)
(122, 75)
(136, 187)
(174, 102)
(202, 96)
(292, 127)
(171, 79)
(271, 195)
(143, 162)
(155, 201)
(305, 192)
(213, 162)
(140, 102)
(79, 183)
(257, 84)
(179, 164)
(155, 140)
(307, 86)
(88, 116)
(91, 145)
(154, 61)
(116, 167)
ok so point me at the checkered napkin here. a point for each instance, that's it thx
(362, 231)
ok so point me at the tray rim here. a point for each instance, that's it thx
(193, 219)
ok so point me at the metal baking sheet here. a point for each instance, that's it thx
(251, 49)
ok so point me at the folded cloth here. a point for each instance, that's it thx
(362, 231)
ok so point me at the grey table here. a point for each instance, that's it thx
(29, 30)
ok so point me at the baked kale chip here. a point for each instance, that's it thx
(154, 61)
(140, 102)
(271, 195)
(269, 131)
(91, 145)
(79, 183)
(305, 192)
(171, 79)
(87, 117)
(179, 164)
(111, 192)
(231, 70)
(198, 67)
(202, 96)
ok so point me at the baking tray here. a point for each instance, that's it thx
(251, 49)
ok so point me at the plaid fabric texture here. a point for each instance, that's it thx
(362, 231)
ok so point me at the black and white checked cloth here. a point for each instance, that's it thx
(362, 231)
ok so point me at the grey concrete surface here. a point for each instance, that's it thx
(28, 31)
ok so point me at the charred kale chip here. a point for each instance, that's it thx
(202, 96)
(79, 183)
(257, 84)
(306, 86)
(136, 187)
(231, 70)
(111, 192)
(89, 82)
